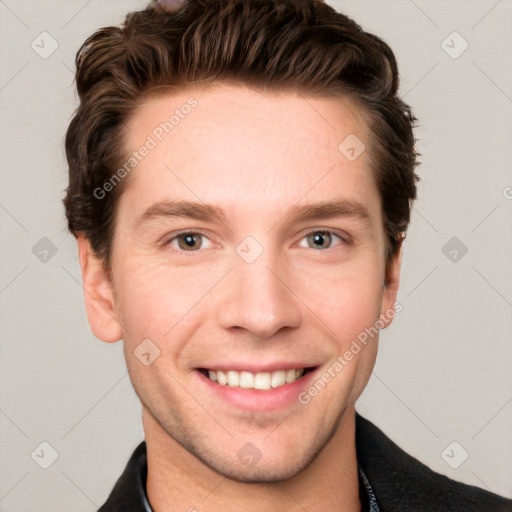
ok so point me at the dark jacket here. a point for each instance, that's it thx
(400, 482)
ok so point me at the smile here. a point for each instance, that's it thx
(257, 390)
(249, 380)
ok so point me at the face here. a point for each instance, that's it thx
(250, 251)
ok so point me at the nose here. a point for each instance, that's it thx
(259, 297)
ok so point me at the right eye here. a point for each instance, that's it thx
(187, 241)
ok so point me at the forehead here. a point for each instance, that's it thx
(242, 109)
(234, 144)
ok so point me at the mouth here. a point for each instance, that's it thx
(259, 389)
(261, 380)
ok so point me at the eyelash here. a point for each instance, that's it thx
(314, 231)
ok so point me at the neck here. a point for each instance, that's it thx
(177, 480)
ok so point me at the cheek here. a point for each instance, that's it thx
(351, 310)
(347, 300)
(153, 299)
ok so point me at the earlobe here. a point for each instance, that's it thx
(390, 288)
(98, 294)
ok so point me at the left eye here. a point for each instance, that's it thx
(320, 239)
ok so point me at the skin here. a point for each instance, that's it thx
(255, 155)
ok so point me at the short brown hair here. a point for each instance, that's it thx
(287, 45)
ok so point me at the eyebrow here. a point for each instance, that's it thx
(327, 209)
(299, 213)
(182, 209)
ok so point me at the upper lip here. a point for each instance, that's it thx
(257, 367)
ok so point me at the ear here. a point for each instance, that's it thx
(98, 294)
(390, 287)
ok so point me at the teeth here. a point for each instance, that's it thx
(290, 376)
(246, 380)
(233, 379)
(222, 378)
(278, 379)
(262, 380)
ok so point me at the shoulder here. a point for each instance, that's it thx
(401, 482)
(129, 492)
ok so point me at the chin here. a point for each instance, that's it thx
(262, 473)
(281, 466)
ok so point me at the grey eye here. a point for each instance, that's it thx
(320, 239)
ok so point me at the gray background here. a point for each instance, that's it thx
(444, 369)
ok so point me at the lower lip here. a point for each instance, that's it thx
(264, 400)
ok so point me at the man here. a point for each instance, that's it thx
(241, 178)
